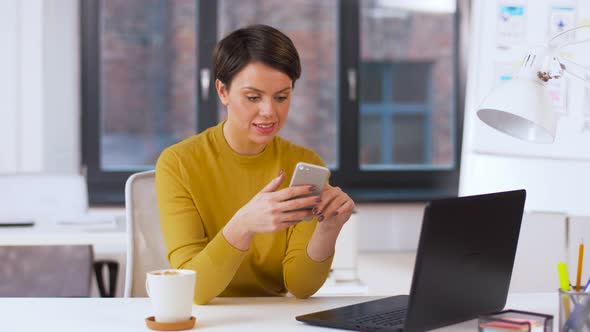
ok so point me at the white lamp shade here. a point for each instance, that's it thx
(520, 108)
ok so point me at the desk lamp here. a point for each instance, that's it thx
(522, 107)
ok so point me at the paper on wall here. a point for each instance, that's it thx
(510, 24)
(562, 17)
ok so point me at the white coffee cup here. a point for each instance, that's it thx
(171, 293)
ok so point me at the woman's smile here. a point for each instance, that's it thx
(265, 128)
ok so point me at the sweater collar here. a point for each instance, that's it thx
(227, 152)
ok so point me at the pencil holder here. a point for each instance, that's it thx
(515, 320)
(574, 311)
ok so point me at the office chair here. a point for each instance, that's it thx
(46, 271)
(54, 271)
(146, 250)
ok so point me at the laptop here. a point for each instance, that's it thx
(463, 268)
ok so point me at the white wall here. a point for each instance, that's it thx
(61, 78)
(389, 227)
(39, 87)
(552, 184)
(9, 120)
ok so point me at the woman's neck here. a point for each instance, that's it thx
(241, 147)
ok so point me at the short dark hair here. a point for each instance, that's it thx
(252, 44)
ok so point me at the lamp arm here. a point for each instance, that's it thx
(575, 70)
(565, 67)
(573, 36)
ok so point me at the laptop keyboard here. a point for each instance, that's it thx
(390, 318)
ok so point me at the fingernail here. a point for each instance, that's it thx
(335, 214)
(312, 188)
(321, 218)
(281, 172)
(318, 200)
(314, 211)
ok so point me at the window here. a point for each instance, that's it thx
(147, 100)
(393, 136)
(395, 112)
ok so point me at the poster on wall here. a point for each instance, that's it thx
(510, 24)
(505, 71)
(562, 17)
(557, 91)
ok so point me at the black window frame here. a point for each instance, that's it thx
(107, 187)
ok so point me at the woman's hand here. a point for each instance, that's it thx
(335, 208)
(333, 212)
(269, 211)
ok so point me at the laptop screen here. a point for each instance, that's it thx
(465, 257)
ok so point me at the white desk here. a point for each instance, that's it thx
(223, 314)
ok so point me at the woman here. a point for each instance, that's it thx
(225, 207)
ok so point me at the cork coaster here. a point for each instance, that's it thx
(176, 326)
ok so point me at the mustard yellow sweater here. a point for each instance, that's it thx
(201, 183)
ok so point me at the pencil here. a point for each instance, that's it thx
(580, 261)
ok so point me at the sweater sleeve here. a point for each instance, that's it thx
(302, 275)
(188, 244)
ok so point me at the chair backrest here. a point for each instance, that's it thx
(45, 271)
(146, 250)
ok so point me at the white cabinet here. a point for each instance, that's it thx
(344, 265)
(542, 243)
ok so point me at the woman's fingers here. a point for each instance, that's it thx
(299, 203)
(325, 200)
(296, 216)
(274, 184)
(331, 210)
(292, 192)
(334, 202)
(347, 207)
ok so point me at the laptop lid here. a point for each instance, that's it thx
(464, 262)
(463, 266)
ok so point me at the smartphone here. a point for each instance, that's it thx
(309, 174)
